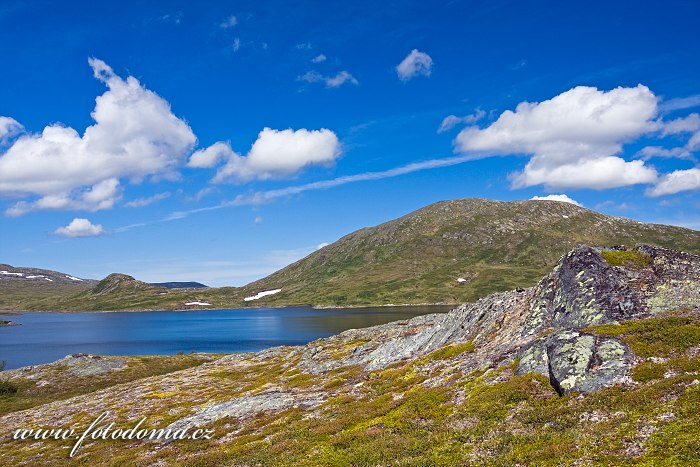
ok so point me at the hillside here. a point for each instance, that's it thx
(42, 287)
(449, 252)
(180, 285)
(493, 246)
(596, 364)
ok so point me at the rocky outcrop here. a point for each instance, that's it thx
(583, 290)
(247, 406)
(543, 325)
(91, 365)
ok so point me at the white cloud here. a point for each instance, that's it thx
(142, 202)
(338, 80)
(561, 198)
(236, 44)
(318, 58)
(210, 156)
(280, 154)
(304, 46)
(598, 174)
(676, 182)
(102, 195)
(658, 151)
(688, 124)
(262, 197)
(80, 228)
(9, 127)
(680, 103)
(451, 121)
(174, 18)
(229, 22)
(258, 220)
(322, 245)
(572, 138)
(135, 135)
(415, 63)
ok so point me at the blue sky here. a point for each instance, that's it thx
(219, 141)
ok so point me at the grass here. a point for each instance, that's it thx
(661, 336)
(59, 384)
(628, 258)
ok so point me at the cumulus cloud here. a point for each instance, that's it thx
(416, 63)
(318, 58)
(451, 121)
(676, 182)
(80, 228)
(210, 156)
(135, 135)
(334, 81)
(278, 154)
(561, 198)
(142, 202)
(102, 195)
(598, 174)
(572, 138)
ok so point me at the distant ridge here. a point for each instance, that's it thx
(180, 285)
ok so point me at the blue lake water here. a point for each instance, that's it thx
(46, 337)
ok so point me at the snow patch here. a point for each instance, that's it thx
(7, 273)
(74, 278)
(461, 280)
(198, 303)
(35, 277)
(260, 295)
(565, 216)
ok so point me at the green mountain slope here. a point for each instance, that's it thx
(418, 258)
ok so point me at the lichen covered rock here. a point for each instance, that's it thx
(576, 361)
(583, 290)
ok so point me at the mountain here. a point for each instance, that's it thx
(123, 292)
(455, 251)
(180, 285)
(40, 286)
(449, 252)
(596, 364)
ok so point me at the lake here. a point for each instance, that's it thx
(46, 337)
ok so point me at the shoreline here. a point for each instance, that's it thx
(313, 307)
